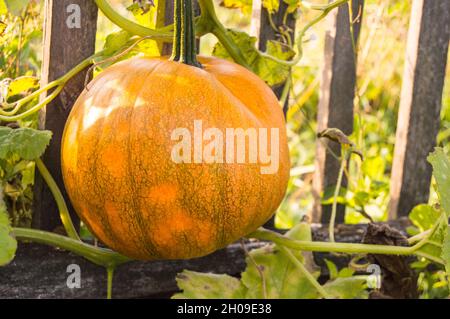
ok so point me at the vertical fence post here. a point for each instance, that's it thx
(420, 104)
(69, 37)
(335, 108)
(262, 28)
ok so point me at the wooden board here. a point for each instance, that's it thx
(420, 104)
(65, 45)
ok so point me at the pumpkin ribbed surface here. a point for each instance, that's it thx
(118, 170)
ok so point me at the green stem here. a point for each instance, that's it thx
(184, 47)
(99, 256)
(350, 248)
(210, 23)
(9, 116)
(336, 194)
(304, 271)
(131, 27)
(60, 202)
(110, 274)
(233, 50)
(286, 88)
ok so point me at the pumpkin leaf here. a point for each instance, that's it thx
(424, 216)
(271, 5)
(441, 169)
(441, 166)
(144, 12)
(281, 278)
(8, 243)
(292, 5)
(244, 5)
(27, 143)
(445, 255)
(197, 285)
(347, 288)
(115, 41)
(271, 72)
(22, 84)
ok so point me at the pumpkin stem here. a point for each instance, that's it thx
(184, 48)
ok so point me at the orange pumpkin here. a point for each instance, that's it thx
(117, 157)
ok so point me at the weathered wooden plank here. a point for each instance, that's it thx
(69, 28)
(41, 272)
(420, 104)
(335, 109)
(262, 28)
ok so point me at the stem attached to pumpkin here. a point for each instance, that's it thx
(184, 47)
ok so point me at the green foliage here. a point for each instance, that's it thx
(270, 71)
(115, 41)
(26, 143)
(20, 38)
(272, 6)
(270, 273)
(424, 216)
(441, 169)
(8, 244)
(244, 5)
(292, 5)
(197, 285)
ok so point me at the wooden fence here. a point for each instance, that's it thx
(418, 119)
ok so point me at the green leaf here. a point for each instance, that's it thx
(197, 285)
(343, 197)
(424, 216)
(441, 171)
(271, 5)
(22, 84)
(144, 12)
(115, 41)
(244, 5)
(8, 243)
(292, 5)
(437, 237)
(281, 278)
(271, 72)
(445, 255)
(347, 288)
(27, 143)
(16, 6)
(332, 269)
(374, 167)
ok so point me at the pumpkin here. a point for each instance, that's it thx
(118, 167)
